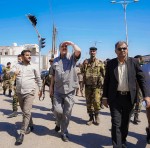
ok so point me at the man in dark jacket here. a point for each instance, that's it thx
(122, 75)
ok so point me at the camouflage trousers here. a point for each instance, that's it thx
(93, 99)
(7, 84)
(15, 101)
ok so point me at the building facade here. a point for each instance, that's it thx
(15, 49)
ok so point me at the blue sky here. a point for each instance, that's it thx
(80, 21)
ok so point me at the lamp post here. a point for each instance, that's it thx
(41, 40)
(95, 42)
(125, 3)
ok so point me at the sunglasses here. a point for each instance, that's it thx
(123, 48)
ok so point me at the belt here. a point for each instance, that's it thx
(123, 92)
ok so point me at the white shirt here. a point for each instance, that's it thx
(122, 77)
(27, 78)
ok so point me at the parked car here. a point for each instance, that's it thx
(1, 72)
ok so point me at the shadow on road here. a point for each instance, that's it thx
(84, 104)
(105, 113)
(48, 116)
(78, 120)
(141, 140)
(10, 128)
(6, 111)
(41, 108)
(91, 140)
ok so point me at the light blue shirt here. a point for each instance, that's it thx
(65, 76)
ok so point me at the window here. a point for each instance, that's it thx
(6, 53)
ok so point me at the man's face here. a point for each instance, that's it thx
(50, 62)
(63, 50)
(122, 50)
(19, 59)
(92, 53)
(26, 57)
(9, 65)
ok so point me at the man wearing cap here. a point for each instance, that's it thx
(64, 81)
(7, 79)
(93, 74)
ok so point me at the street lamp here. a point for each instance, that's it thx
(124, 3)
(41, 40)
(95, 42)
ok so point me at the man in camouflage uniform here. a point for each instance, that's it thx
(79, 91)
(7, 79)
(137, 105)
(93, 76)
(15, 97)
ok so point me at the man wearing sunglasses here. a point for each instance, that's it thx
(64, 81)
(119, 92)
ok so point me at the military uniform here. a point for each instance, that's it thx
(93, 77)
(80, 79)
(14, 103)
(7, 80)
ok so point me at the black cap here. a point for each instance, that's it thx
(93, 48)
(8, 63)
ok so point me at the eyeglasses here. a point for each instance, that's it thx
(123, 48)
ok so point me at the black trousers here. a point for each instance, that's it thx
(120, 109)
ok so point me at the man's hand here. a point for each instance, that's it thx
(67, 43)
(105, 103)
(147, 99)
(17, 72)
(40, 93)
(51, 91)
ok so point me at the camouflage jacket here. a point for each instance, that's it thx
(93, 73)
(6, 72)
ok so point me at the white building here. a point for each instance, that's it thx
(15, 50)
(9, 54)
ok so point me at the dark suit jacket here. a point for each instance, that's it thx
(135, 75)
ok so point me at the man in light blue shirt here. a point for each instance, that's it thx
(64, 81)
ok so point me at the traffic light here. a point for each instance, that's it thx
(42, 42)
(33, 19)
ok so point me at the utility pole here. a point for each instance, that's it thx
(124, 4)
(54, 41)
(95, 42)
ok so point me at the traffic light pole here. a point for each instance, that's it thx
(39, 38)
(33, 21)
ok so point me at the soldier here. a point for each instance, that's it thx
(7, 79)
(15, 98)
(137, 106)
(80, 79)
(93, 75)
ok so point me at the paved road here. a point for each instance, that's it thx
(81, 135)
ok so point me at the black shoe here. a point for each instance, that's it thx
(29, 130)
(148, 135)
(57, 128)
(124, 145)
(19, 140)
(65, 138)
(14, 114)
